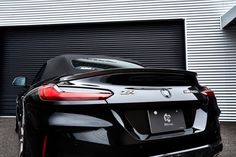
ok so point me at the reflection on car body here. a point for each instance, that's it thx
(80, 105)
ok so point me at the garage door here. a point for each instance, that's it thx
(157, 44)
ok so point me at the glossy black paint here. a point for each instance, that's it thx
(119, 126)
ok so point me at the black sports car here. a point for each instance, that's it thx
(80, 105)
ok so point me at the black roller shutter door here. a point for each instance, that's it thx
(24, 49)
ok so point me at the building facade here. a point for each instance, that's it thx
(180, 34)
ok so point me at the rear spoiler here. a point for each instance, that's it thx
(127, 71)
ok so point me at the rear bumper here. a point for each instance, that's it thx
(106, 133)
(114, 141)
(72, 148)
(201, 151)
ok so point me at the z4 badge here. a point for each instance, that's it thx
(127, 92)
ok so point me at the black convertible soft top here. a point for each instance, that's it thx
(62, 65)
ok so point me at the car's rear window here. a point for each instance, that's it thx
(100, 63)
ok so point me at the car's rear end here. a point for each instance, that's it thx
(129, 112)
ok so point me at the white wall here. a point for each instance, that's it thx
(211, 51)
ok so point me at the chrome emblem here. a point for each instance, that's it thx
(127, 92)
(190, 91)
(166, 93)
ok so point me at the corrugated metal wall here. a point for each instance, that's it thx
(211, 51)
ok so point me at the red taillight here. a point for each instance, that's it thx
(52, 92)
(44, 150)
(207, 92)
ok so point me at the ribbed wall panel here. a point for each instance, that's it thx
(27, 12)
(211, 51)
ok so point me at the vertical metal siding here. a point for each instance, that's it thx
(211, 51)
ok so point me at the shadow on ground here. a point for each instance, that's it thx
(9, 142)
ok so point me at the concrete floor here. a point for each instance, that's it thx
(8, 138)
(9, 142)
